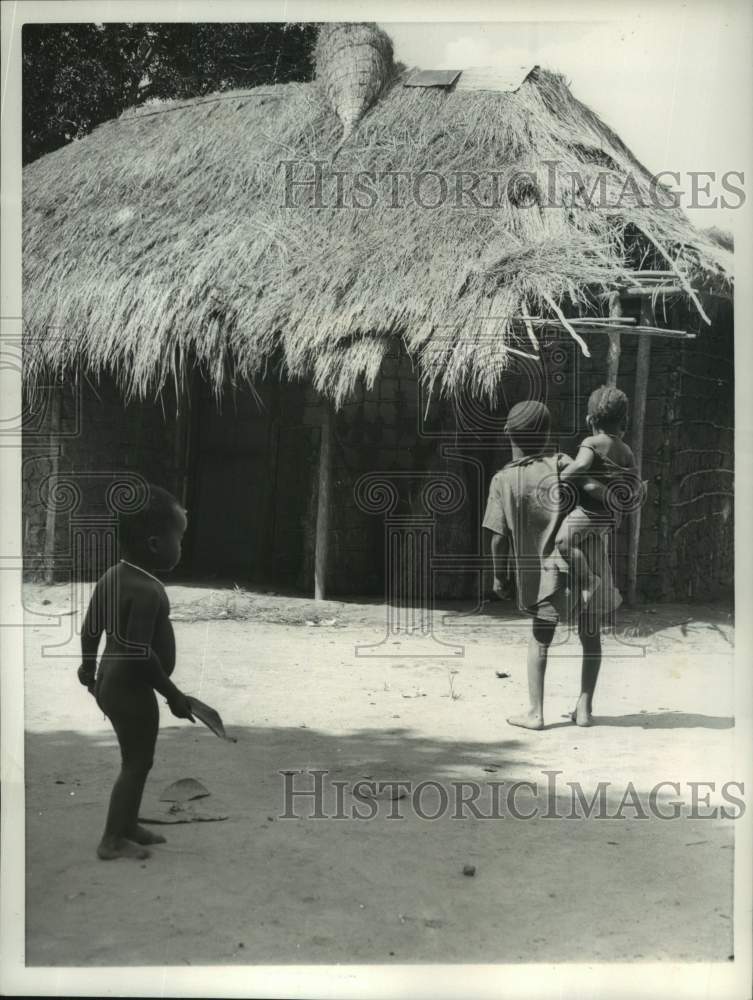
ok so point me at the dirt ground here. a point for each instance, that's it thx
(285, 676)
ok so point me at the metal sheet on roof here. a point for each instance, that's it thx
(432, 78)
(505, 79)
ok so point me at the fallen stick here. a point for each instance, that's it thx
(172, 820)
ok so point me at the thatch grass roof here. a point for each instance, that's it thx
(722, 237)
(163, 238)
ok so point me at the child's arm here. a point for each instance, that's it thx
(91, 633)
(500, 549)
(141, 622)
(495, 521)
(580, 464)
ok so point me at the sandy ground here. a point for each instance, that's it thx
(258, 888)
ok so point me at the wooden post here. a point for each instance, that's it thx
(643, 364)
(180, 444)
(322, 505)
(183, 435)
(268, 547)
(189, 462)
(51, 519)
(613, 353)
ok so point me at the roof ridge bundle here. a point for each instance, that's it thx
(354, 63)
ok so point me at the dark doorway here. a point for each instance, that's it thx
(229, 457)
(250, 485)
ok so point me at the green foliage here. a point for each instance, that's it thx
(78, 75)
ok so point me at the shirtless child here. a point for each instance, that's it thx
(131, 607)
(604, 463)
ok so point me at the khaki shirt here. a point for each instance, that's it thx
(524, 506)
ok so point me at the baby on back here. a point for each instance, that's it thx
(603, 469)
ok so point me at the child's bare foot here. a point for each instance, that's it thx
(119, 847)
(143, 836)
(528, 721)
(581, 715)
(589, 590)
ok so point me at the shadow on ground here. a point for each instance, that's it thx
(258, 888)
(659, 720)
(667, 720)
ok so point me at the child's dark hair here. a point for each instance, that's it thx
(608, 408)
(154, 510)
(528, 425)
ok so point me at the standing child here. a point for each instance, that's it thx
(523, 514)
(604, 465)
(131, 607)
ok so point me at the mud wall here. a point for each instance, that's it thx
(249, 476)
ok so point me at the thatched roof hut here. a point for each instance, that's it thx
(301, 232)
(181, 233)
